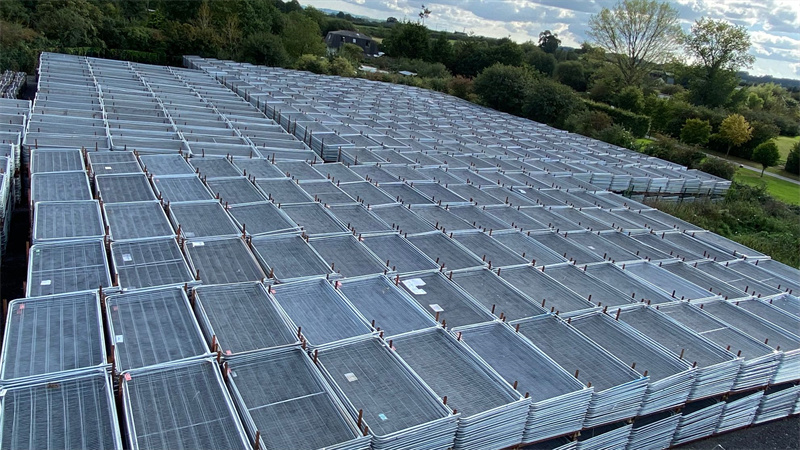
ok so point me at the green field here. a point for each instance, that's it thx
(785, 144)
(780, 189)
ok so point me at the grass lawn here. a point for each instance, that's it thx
(785, 144)
(780, 189)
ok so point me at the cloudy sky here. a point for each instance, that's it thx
(774, 25)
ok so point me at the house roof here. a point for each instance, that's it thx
(351, 34)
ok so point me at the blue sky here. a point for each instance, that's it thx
(774, 25)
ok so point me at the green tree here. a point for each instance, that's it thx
(637, 34)
(696, 132)
(538, 59)
(630, 98)
(341, 67)
(735, 131)
(265, 49)
(617, 135)
(793, 160)
(718, 45)
(767, 155)
(571, 73)
(408, 40)
(503, 87)
(550, 102)
(302, 36)
(312, 63)
(441, 50)
(718, 167)
(548, 41)
(351, 52)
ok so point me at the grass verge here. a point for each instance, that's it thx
(782, 190)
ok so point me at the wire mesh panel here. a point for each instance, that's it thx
(398, 408)
(202, 219)
(402, 219)
(597, 244)
(491, 251)
(44, 335)
(667, 281)
(671, 379)
(137, 220)
(567, 249)
(359, 219)
(405, 194)
(299, 170)
(716, 368)
(443, 300)
(320, 312)
(653, 432)
(113, 162)
(618, 389)
(76, 413)
(214, 167)
(516, 218)
(180, 406)
(366, 193)
(529, 249)
(442, 218)
(43, 161)
(633, 288)
(288, 257)
(778, 402)
(399, 254)
(347, 255)
(148, 263)
(241, 318)
(166, 165)
(698, 420)
(337, 172)
(739, 412)
(542, 289)
(222, 260)
(63, 221)
(257, 167)
(314, 218)
(60, 187)
(123, 188)
(736, 279)
(152, 327)
(633, 246)
(184, 188)
(771, 314)
(235, 190)
(261, 218)
(325, 192)
(383, 303)
(445, 251)
(59, 268)
(283, 396)
(587, 286)
(558, 401)
(283, 191)
(496, 295)
(493, 415)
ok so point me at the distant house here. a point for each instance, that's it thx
(336, 39)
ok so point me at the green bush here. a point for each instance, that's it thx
(503, 87)
(588, 123)
(793, 160)
(617, 135)
(718, 167)
(695, 132)
(630, 98)
(461, 87)
(671, 150)
(550, 102)
(312, 63)
(342, 67)
(637, 124)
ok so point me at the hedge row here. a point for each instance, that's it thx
(637, 124)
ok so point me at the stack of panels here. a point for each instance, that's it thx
(288, 258)
(69, 411)
(176, 406)
(67, 221)
(387, 397)
(653, 432)
(614, 435)
(778, 402)
(787, 342)
(740, 411)
(716, 368)
(47, 335)
(698, 420)
(670, 379)
(493, 415)
(787, 303)
(559, 402)
(618, 390)
(284, 400)
(241, 318)
(443, 300)
(760, 361)
(61, 267)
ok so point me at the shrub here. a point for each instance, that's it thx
(671, 150)
(637, 124)
(588, 123)
(550, 102)
(460, 86)
(793, 160)
(503, 87)
(630, 98)
(342, 67)
(767, 155)
(312, 63)
(718, 167)
(571, 73)
(695, 132)
(617, 135)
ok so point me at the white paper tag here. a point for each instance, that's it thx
(108, 167)
(436, 308)
(46, 282)
(198, 244)
(383, 416)
(118, 339)
(413, 285)
(350, 377)
(522, 191)
(127, 257)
